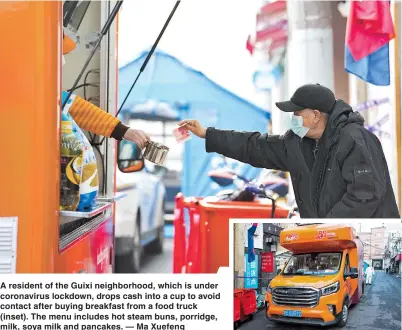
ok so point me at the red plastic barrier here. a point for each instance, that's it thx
(237, 304)
(179, 249)
(207, 246)
(249, 302)
(193, 264)
(185, 254)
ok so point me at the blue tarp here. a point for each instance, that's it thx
(168, 80)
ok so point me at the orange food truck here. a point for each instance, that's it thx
(35, 235)
(321, 280)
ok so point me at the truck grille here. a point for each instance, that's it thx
(293, 296)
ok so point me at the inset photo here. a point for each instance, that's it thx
(312, 275)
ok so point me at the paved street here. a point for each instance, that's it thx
(380, 308)
(162, 263)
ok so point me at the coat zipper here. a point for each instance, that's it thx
(322, 173)
(315, 150)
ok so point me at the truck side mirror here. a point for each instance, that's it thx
(353, 273)
(129, 157)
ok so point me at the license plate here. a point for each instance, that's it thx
(292, 313)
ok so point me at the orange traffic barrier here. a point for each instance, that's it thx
(207, 246)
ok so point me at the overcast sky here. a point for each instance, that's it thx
(367, 224)
(196, 35)
(388, 224)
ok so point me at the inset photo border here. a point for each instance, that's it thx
(312, 273)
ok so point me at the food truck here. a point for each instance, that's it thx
(35, 235)
(321, 280)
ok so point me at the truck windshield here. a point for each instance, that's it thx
(313, 264)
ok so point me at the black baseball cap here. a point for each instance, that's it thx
(312, 96)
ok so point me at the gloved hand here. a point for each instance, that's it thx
(140, 138)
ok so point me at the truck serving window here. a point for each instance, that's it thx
(73, 14)
(313, 264)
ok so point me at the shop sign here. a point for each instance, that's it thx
(251, 273)
(267, 262)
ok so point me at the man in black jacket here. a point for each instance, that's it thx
(338, 167)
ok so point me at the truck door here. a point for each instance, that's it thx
(348, 280)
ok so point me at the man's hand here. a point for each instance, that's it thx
(137, 136)
(194, 127)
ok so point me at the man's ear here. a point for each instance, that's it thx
(317, 116)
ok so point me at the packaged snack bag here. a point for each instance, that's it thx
(85, 165)
(89, 186)
(71, 165)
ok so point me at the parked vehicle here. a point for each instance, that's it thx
(321, 280)
(139, 215)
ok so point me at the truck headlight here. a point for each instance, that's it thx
(269, 289)
(330, 289)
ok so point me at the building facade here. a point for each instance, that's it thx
(394, 252)
(375, 242)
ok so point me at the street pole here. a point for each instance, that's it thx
(371, 233)
(310, 47)
(239, 254)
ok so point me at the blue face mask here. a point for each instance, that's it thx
(296, 125)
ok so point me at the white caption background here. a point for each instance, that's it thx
(116, 301)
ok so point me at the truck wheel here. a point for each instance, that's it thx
(344, 314)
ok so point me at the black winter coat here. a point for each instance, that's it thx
(343, 175)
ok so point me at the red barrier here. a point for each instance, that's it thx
(207, 246)
(193, 264)
(237, 304)
(249, 302)
(179, 249)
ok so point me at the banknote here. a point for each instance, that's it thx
(181, 134)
